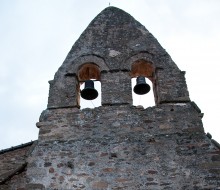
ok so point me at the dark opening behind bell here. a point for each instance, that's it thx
(89, 92)
(141, 87)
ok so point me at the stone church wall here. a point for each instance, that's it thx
(13, 162)
(116, 146)
(124, 147)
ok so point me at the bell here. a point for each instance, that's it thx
(89, 92)
(141, 87)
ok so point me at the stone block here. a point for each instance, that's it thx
(116, 88)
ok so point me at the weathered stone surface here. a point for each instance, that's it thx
(13, 166)
(118, 146)
(171, 87)
(63, 94)
(116, 88)
(123, 146)
(114, 41)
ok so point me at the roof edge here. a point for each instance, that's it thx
(17, 147)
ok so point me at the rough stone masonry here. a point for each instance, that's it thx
(117, 145)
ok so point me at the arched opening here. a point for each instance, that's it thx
(145, 69)
(89, 71)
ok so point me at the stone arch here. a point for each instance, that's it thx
(144, 68)
(80, 61)
(88, 71)
(142, 64)
(168, 81)
(84, 68)
(127, 64)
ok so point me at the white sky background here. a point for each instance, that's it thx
(36, 36)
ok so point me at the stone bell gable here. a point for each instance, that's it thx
(118, 145)
(113, 49)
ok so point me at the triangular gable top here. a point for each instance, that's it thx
(114, 42)
(115, 36)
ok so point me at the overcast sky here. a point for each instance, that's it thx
(36, 36)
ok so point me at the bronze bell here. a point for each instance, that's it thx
(89, 92)
(141, 87)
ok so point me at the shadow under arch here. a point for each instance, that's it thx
(88, 71)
